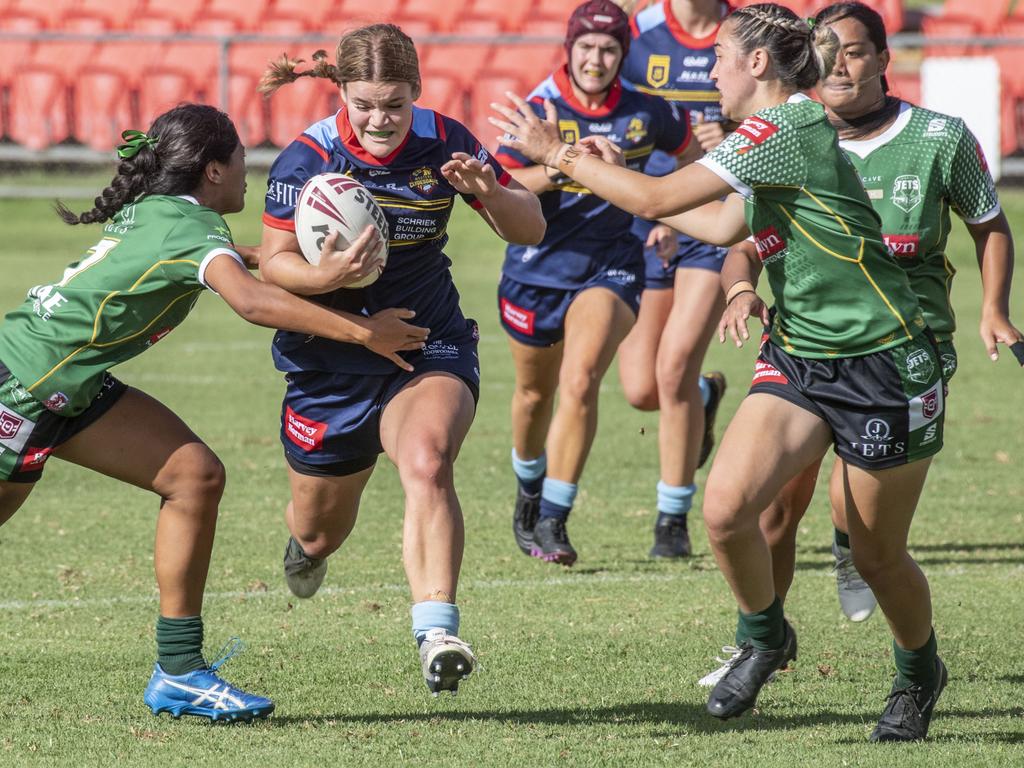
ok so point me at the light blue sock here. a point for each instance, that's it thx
(434, 613)
(675, 499)
(705, 390)
(556, 498)
(530, 472)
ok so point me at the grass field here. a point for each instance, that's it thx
(594, 666)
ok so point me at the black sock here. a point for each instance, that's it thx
(841, 539)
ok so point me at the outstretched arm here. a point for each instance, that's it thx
(650, 197)
(720, 222)
(385, 333)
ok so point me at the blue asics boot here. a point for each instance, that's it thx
(204, 694)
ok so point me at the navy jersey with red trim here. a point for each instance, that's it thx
(665, 60)
(585, 233)
(417, 202)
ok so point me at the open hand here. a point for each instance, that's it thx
(470, 176)
(390, 334)
(538, 139)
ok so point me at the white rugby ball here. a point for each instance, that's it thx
(331, 202)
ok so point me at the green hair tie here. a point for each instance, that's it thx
(133, 142)
(810, 21)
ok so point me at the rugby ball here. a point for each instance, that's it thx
(331, 202)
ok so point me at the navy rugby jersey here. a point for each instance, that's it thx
(417, 202)
(664, 59)
(585, 233)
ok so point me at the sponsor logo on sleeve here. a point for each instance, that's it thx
(768, 242)
(517, 318)
(305, 433)
(284, 194)
(756, 129)
(903, 246)
(636, 131)
(154, 338)
(34, 458)
(766, 373)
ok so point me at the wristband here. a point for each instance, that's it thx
(740, 286)
(745, 290)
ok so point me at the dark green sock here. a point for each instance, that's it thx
(916, 666)
(842, 539)
(765, 629)
(179, 644)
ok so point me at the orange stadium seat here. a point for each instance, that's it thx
(534, 27)
(84, 24)
(49, 13)
(283, 25)
(980, 16)
(529, 63)
(103, 108)
(247, 109)
(20, 22)
(509, 13)
(1011, 80)
(559, 10)
(489, 88)
(296, 106)
(445, 95)
(350, 13)
(479, 28)
(64, 56)
(153, 25)
(198, 62)
(215, 25)
(440, 16)
(38, 104)
(112, 15)
(182, 12)
(315, 15)
(162, 90)
(461, 61)
(245, 15)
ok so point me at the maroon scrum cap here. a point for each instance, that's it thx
(602, 16)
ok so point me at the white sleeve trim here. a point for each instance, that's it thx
(210, 257)
(987, 216)
(727, 176)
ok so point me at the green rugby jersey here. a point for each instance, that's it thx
(838, 292)
(132, 288)
(923, 165)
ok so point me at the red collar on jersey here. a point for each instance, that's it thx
(564, 85)
(351, 143)
(685, 37)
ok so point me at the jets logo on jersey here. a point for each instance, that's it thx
(657, 70)
(920, 366)
(570, 131)
(906, 192)
(636, 131)
(423, 180)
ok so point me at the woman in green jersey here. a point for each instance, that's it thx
(164, 243)
(917, 165)
(847, 361)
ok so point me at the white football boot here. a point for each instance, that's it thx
(446, 660)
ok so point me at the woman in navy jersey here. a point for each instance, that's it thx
(671, 56)
(345, 405)
(569, 301)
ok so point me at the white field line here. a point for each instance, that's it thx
(585, 580)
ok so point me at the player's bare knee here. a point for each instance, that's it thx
(532, 399)
(427, 466)
(579, 387)
(643, 399)
(194, 471)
